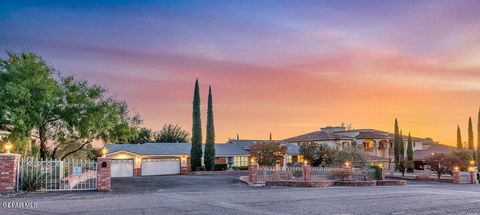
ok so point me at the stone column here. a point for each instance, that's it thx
(8, 172)
(456, 177)
(307, 172)
(388, 150)
(375, 144)
(253, 173)
(473, 176)
(104, 174)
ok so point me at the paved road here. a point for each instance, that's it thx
(226, 195)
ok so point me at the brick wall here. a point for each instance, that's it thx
(104, 174)
(8, 172)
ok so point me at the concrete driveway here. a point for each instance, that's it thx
(224, 194)
(177, 183)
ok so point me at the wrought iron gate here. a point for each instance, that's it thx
(56, 175)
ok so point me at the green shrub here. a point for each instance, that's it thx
(377, 174)
(240, 168)
(220, 167)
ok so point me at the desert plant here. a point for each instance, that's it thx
(32, 180)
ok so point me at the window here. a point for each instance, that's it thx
(240, 161)
(289, 159)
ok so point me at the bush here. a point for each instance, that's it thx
(342, 175)
(220, 167)
(241, 168)
(378, 172)
(32, 181)
(268, 153)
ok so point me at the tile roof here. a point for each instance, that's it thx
(372, 135)
(434, 148)
(316, 136)
(179, 149)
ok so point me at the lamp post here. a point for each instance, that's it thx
(104, 153)
(8, 147)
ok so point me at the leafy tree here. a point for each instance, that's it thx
(410, 154)
(463, 158)
(30, 97)
(196, 150)
(470, 134)
(441, 163)
(316, 154)
(171, 134)
(67, 114)
(88, 115)
(354, 155)
(459, 138)
(209, 156)
(142, 135)
(268, 153)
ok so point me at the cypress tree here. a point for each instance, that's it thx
(478, 140)
(196, 150)
(401, 151)
(401, 147)
(396, 140)
(209, 157)
(470, 134)
(410, 153)
(459, 138)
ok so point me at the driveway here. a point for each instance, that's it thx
(224, 194)
(176, 183)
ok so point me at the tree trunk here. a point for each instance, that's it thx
(43, 142)
(76, 150)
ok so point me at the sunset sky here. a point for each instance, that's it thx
(282, 67)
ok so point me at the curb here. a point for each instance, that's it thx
(244, 179)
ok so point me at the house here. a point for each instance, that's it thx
(378, 145)
(174, 158)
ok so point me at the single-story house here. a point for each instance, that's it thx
(174, 158)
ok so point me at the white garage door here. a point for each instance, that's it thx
(160, 166)
(122, 168)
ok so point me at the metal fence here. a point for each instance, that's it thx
(56, 175)
(295, 173)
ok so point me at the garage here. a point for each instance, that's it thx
(122, 168)
(160, 166)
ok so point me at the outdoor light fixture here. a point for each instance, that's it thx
(104, 152)
(346, 164)
(305, 162)
(455, 169)
(471, 169)
(252, 160)
(8, 147)
(472, 162)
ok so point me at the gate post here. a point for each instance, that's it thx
(307, 172)
(456, 176)
(253, 173)
(8, 172)
(104, 174)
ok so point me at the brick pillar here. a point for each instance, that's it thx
(473, 176)
(253, 173)
(104, 174)
(382, 173)
(307, 172)
(137, 172)
(275, 176)
(8, 172)
(456, 177)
